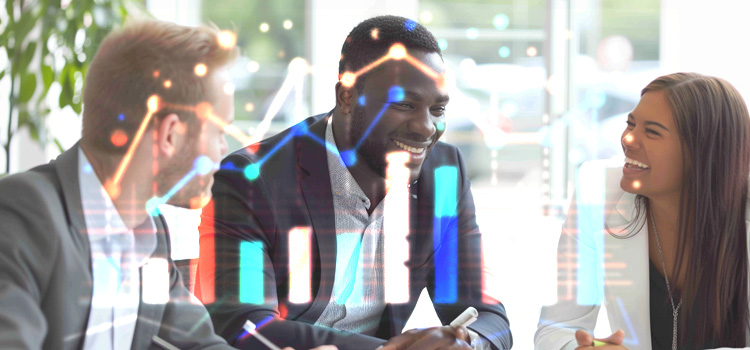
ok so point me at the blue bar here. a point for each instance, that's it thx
(590, 219)
(251, 272)
(445, 235)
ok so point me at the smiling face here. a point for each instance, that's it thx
(653, 149)
(407, 125)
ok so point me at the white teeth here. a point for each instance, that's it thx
(408, 148)
(636, 163)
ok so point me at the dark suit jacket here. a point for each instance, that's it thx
(294, 190)
(45, 270)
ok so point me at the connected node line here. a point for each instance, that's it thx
(396, 52)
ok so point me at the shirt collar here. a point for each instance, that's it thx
(342, 181)
(103, 221)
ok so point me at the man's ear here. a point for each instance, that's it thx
(170, 132)
(344, 98)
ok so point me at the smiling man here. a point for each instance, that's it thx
(297, 236)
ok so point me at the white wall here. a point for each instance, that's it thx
(330, 22)
(707, 37)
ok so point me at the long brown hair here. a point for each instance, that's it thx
(714, 127)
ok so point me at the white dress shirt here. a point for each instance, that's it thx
(358, 298)
(117, 253)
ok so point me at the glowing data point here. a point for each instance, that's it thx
(121, 117)
(501, 21)
(204, 110)
(410, 25)
(300, 129)
(249, 107)
(152, 206)
(156, 74)
(228, 88)
(167, 84)
(201, 69)
(113, 190)
(298, 66)
(397, 51)
(348, 79)
(443, 44)
(203, 165)
(118, 138)
(396, 94)
(361, 100)
(531, 51)
(441, 82)
(504, 52)
(636, 184)
(264, 27)
(253, 66)
(397, 159)
(227, 39)
(349, 157)
(153, 103)
(374, 33)
(628, 138)
(440, 126)
(252, 171)
(425, 17)
(288, 24)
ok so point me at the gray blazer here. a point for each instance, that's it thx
(45, 270)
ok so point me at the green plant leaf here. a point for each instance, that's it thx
(23, 118)
(66, 94)
(27, 88)
(33, 131)
(77, 107)
(25, 24)
(48, 76)
(9, 9)
(2, 74)
(27, 55)
(59, 145)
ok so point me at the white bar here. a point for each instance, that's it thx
(300, 268)
(155, 281)
(396, 228)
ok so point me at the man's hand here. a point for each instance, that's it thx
(613, 342)
(436, 338)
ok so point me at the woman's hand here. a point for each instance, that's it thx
(613, 342)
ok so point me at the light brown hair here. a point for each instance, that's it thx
(134, 63)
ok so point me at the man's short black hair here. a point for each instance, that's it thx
(371, 40)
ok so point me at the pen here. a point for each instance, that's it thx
(465, 318)
(163, 343)
(250, 328)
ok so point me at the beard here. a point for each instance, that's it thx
(371, 152)
(174, 171)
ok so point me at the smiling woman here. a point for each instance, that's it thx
(677, 222)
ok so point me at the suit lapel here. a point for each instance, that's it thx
(150, 315)
(78, 302)
(316, 189)
(66, 166)
(627, 287)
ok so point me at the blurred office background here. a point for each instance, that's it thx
(537, 88)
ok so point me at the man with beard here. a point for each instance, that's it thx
(330, 176)
(84, 253)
